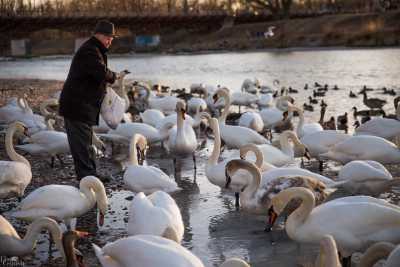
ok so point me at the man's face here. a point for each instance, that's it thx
(104, 39)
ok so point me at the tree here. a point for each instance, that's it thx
(276, 7)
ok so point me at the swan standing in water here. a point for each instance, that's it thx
(64, 202)
(13, 245)
(151, 251)
(15, 175)
(147, 179)
(156, 214)
(355, 222)
(181, 138)
(235, 136)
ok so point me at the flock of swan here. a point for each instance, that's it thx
(260, 170)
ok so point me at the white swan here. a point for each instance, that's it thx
(13, 110)
(364, 147)
(165, 104)
(257, 194)
(15, 175)
(280, 157)
(252, 120)
(374, 221)
(64, 202)
(235, 136)
(151, 251)
(181, 138)
(127, 130)
(272, 116)
(382, 127)
(152, 116)
(46, 143)
(367, 177)
(156, 214)
(376, 252)
(304, 128)
(265, 100)
(147, 179)
(13, 245)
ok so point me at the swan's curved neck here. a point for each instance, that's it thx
(50, 125)
(179, 120)
(297, 218)
(376, 252)
(257, 152)
(328, 256)
(122, 89)
(12, 154)
(69, 248)
(255, 180)
(148, 93)
(213, 159)
(87, 187)
(37, 226)
(299, 129)
(225, 113)
(133, 160)
(285, 145)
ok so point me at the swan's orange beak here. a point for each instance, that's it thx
(82, 233)
(272, 216)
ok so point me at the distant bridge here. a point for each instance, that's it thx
(21, 25)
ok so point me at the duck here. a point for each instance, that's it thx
(304, 128)
(365, 177)
(15, 175)
(252, 120)
(64, 202)
(352, 95)
(382, 127)
(352, 231)
(155, 214)
(235, 136)
(312, 100)
(14, 245)
(373, 103)
(319, 93)
(147, 179)
(258, 192)
(181, 138)
(151, 251)
(275, 156)
(308, 107)
(378, 251)
(364, 147)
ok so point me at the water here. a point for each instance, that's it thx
(214, 229)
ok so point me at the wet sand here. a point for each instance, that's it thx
(214, 229)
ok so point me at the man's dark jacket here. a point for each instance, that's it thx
(85, 86)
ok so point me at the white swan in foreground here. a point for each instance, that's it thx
(64, 202)
(181, 138)
(257, 194)
(235, 136)
(147, 179)
(151, 251)
(15, 175)
(13, 245)
(382, 127)
(365, 177)
(354, 222)
(156, 214)
(127, 130)
(364, 147)
(165, 104)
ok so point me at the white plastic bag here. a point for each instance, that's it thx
(112, 108)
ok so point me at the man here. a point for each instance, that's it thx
(82, 95)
